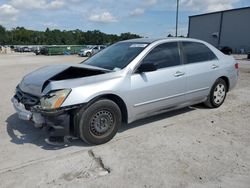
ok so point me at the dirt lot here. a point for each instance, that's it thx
(192, 147)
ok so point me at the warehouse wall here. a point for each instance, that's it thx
(236, 30)
(203, 27)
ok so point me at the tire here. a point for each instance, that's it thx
(217, 94)
(99, 122)
(88, 54)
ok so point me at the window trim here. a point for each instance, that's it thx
(179, 50)
(185, 57)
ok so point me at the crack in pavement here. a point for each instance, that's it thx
(95, 170)
(36, 161)
(99, 161)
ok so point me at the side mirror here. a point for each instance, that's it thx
(147, 67)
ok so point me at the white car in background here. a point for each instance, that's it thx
(89, 51)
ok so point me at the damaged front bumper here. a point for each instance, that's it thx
(58, 122)
(26, 114)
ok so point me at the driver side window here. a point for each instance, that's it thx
(164, 55)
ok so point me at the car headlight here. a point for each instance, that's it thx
(54, 99)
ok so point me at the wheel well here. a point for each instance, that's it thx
(227, 81)
(119, 102)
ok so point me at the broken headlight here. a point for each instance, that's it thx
(54, 99)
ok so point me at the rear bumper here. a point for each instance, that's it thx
(233, 79)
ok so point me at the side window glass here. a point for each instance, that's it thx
(95, 48)
(197, 52)
(164, 55)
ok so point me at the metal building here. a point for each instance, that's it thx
(224, 28)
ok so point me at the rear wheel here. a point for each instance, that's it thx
(98, 123)
(217, 94)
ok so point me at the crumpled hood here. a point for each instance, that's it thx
(34, 82)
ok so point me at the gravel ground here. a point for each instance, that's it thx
(192, 147)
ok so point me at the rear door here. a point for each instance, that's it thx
(160, 89)
(201, 66)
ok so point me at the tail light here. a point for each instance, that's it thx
(236, 65)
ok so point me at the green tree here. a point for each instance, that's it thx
(22, 36)
(2, 35)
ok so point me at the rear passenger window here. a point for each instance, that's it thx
(164, 55)
(197, 52)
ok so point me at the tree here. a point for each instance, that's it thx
(126, 36)
(22, 36)
(2, 35)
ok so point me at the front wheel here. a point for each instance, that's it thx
(88, 54)
(98, 123)
(217, 94)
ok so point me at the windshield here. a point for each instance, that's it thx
(117, 56)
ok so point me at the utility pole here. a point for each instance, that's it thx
(177, 15)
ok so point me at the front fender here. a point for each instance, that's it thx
(84, 94)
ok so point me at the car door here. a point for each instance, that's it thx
(201, 66)
(95, 50)
(102, 47)
(162, 88)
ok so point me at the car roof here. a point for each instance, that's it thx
(142, 40)
(152, 40)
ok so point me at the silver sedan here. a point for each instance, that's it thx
(125, 82)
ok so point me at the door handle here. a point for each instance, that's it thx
(215, 66)
(179, 73)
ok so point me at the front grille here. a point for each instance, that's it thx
(26, 99)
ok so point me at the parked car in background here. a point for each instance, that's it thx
(125, 82)
(89, 51)
(26, 49)
(41, 51)
(226, 50)
(12, 47)
(37, 50)
(22, 49)
(17, 49)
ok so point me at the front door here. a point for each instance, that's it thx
(160, 89)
